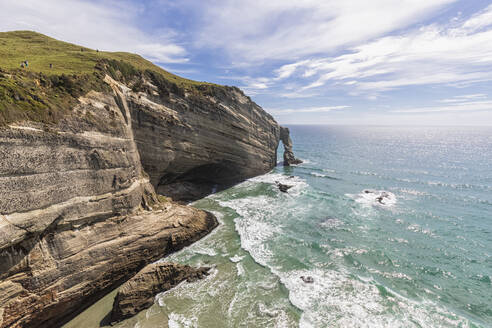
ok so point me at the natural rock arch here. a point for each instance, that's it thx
(289, 157)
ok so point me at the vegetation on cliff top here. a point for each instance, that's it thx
(59, 72)
(41, 51)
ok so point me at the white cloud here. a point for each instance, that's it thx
(462, 98)
(286, 71)
(308, 49)
(250, 85)
(322, 109)
(101, 25)
(298, 94)
(466, 106)
(259, 30)
(479, 20)
(458, 55)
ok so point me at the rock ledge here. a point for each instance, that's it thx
(138, 293)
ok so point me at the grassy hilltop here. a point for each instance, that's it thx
(41, 51)
(43, 94)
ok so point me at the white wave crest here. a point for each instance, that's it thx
(335, 297)
(180, 321)
(298, 184)
(375, 198)
(240, 269)
(236, 258)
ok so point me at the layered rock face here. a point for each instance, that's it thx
(138, 293)
(191, 146)
(289, 158)
(78, 212)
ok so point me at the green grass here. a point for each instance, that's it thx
(41, 51)
(43, 94)
(28, 96)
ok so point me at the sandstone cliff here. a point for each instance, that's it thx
(138, 293)
(192, 143)
(78, 214)
(81, 156)
(289, 158)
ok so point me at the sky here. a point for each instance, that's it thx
(378, 62)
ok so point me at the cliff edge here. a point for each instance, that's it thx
(86, 138)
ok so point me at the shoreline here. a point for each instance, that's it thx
(232, 267)
(114, 287)
(78, 198)
(104, 303)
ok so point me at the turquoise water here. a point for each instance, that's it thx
(419, 258)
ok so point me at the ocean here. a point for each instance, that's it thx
(383, 227)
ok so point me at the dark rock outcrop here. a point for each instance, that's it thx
(289, 158)
(78, 214)
(380, 197)
(138, 293)
(191, 146)
(283, 187)
(78, 210)
(307, 279)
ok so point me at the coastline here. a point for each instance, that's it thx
(235, 265)
(327, 230)
(98, 310)
(69, 225)
(96, 313)
(233, 272)
(88, 170)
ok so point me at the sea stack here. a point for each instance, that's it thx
(289, 158)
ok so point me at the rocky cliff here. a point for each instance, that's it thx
(81, 157)
(138, 293)
(192, 143)
(289, 158)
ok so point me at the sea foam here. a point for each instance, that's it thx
(375, 197)
(334, 297)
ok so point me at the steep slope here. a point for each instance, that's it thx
(83, 147)
(40, 51)
(192, 137)
(194, 143)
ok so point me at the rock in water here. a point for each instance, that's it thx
(138, 293)
(307, 279)
(380, 197)
(289, 158)
(283, 187)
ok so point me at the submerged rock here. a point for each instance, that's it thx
(138, 293)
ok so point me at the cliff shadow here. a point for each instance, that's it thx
(200, 181)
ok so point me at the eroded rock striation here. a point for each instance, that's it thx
(289, 158)
(78, 213)
(78, 210)
(138, 293)
(193, 145)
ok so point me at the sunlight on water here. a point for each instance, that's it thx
(382, 228)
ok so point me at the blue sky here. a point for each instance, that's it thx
(424, 62)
